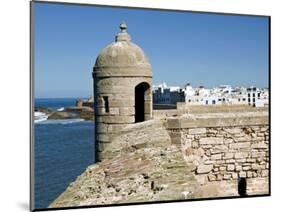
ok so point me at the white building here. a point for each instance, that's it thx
(223, 94)
(257, 97)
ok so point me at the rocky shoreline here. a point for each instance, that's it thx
(82, 112)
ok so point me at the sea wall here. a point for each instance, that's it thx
(191, 156)
(225, 148)
(183, 108)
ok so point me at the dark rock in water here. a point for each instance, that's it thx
(43, 110)
(86, 113)
(85, 103)
(79, 109)
(83, 112)
(61, 115)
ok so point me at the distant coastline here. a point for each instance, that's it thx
(63, 108)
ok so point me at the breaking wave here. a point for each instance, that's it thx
(60, 121)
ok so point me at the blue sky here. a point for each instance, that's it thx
(203, 49)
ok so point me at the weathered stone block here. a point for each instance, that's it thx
(216, 157)
(259, 145)
(251, 160)
(129, 102)
(211, 177)
(249, 174)
(173, 123)
(228, 155)
(226, 176)
(242, 174)
(204, 169)
(241, 155)
(241, 160)
(258, 139)
(238, 168)
(258, 154)
(114, 111)
(188, 136)
(233, 130)
(103, 137)
(234, 175)
(101, 128)
(218, 162)
(230, 161)
(230, 167)
(219, 177)
(211, 140)
(264, 173)
(222, 168)
(127, 111)
(117, 119)
(207, 162)
(254, 174)
(242, 145)
(116, 127)
(256, 166)
(243, 139)
(197, 131)
(219, 149)
(260, 134)
(212, 131)
(263, 129)
(176, 138)
(246, 168)
(228, 140)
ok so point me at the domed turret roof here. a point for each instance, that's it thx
(122, 58)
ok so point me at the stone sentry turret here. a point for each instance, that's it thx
(122, 89)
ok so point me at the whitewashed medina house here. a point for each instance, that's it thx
(221, 95)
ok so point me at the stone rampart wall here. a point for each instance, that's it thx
(183, 108)
(224, 148)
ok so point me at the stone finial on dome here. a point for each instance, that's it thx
(122, 35)
(123, 27)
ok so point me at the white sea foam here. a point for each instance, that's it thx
(60, 109)
(61, 121)
(39, 117)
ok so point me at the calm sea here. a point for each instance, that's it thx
(63, 150)
(55, 103)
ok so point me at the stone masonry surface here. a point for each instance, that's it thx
(145, 166)
(227, 153)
